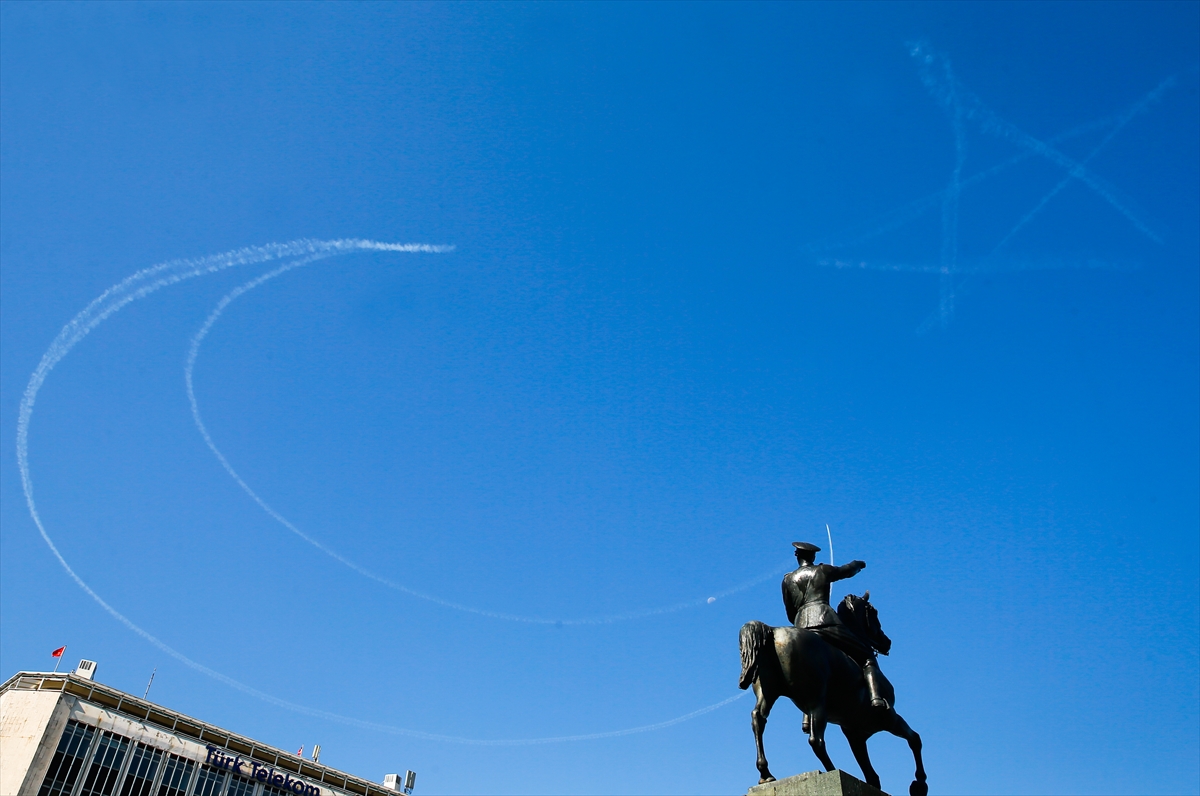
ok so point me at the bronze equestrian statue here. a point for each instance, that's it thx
(825, 663)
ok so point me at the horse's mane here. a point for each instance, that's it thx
(853, 618)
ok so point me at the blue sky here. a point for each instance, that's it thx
(692, 314)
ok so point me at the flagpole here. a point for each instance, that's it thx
(60, 656)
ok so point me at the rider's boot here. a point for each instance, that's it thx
(872, 675)
(804, 725)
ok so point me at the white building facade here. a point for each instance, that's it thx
(67, 735)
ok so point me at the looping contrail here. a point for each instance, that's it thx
(188, 375)
(142, 284)
(189, 378)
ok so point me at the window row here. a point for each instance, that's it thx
(91, 762)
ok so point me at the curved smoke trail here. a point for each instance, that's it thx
(142, 284)
(188, 376)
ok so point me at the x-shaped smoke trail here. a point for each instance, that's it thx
(962, 106)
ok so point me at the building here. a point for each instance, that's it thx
(67, 735)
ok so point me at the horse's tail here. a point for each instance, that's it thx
(755, 637)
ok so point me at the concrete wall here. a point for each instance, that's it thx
(30, 725)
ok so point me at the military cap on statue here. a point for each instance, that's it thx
(805, 547)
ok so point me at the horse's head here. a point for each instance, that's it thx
(860, 616)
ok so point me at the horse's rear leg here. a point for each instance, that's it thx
(817, 722)
(758, 721)
(858, 745)
(901, 729)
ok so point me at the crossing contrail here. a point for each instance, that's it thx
(947, 89)
(896, 218)
(984, 267)
(950, 202)
(1077, 173)
(147, 281)
(938, 76)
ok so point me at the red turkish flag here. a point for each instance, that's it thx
(58, 652)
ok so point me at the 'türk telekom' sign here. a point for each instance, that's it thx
(218, 758)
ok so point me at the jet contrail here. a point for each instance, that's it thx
(950, 92)
(142, 284)
(950, 202)
(897, 217)
(937, 75)
(189, 381)
(985, 267)
(1140, 107)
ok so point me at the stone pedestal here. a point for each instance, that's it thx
(816, 783)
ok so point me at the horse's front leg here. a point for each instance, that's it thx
(817, 721)
(758, 721)
(858, 745)
(901, 729)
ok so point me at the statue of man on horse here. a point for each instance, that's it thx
(825, 662)
(806, 600)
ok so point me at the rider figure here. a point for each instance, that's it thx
(806, 598)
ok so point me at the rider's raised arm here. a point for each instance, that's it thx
(846, 570)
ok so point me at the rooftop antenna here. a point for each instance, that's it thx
(401, 783)
(316, 753)
(150, 683)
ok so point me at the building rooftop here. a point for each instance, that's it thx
(143, 710)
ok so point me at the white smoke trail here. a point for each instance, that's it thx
(137, 286)
(938, 76)
(188, 375)
(985, 266)
(897, 217)
(950, 203)
(142, 284)
(950, 92)
(1138, 108)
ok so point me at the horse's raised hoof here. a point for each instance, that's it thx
(918, 788)
(766, 779)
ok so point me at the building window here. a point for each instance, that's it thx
(275, 790)
(176, 776)
(142, 768)
(210, 782)
(240, 786)
(68, 759)
(106, 764)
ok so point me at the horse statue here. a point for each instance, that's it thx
(827, 685)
